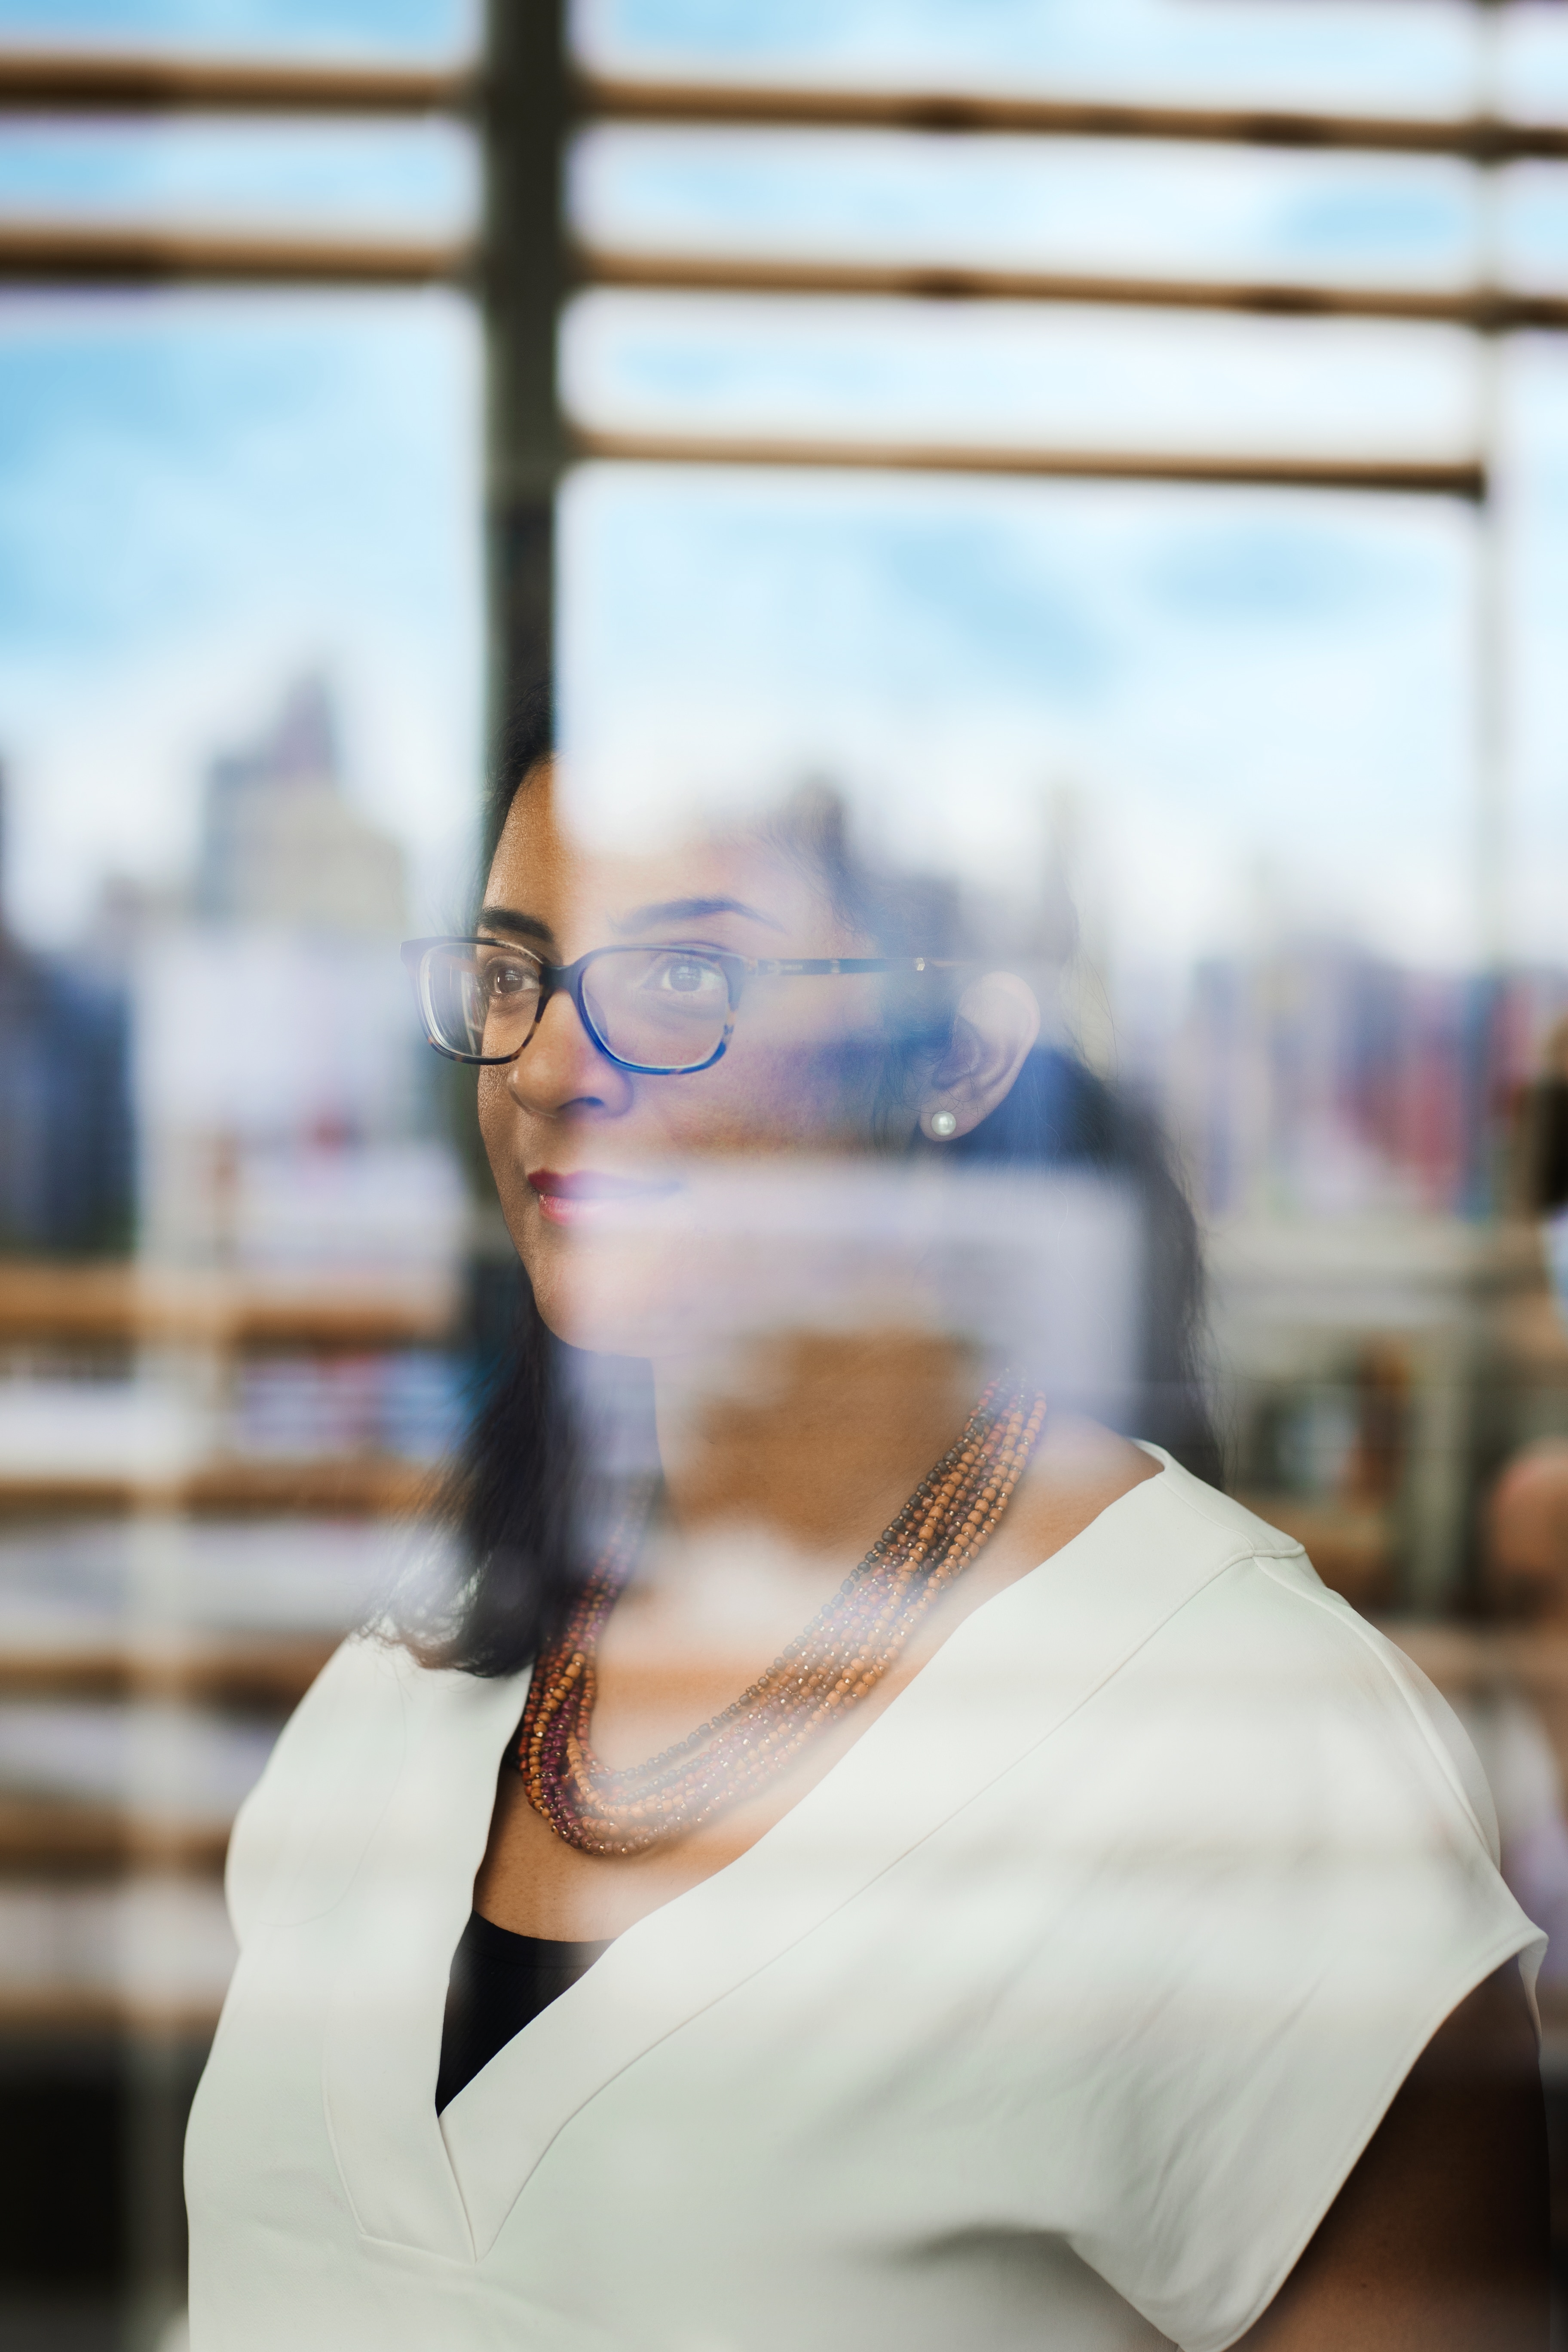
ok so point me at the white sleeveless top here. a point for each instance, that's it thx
(1055, 2014)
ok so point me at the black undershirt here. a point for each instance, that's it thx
(499, 1983)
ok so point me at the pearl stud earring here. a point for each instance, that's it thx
(943, 1126)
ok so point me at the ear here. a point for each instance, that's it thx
(993, 1033)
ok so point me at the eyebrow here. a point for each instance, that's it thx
(689, 910)
(508, 919)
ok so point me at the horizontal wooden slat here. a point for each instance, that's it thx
(1462, 479)
(264, 1673)
(55, 252)
(58, 252)
(365, 1485)
(100, 81)
(85, 80)
(354, 1486)
(1478, 137)
(44, 1837)
(115, 1301)
(737, 273)
(65, 2014)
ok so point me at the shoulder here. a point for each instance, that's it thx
(1250, 1826)
(373, 1715)
(316, 1804)
(1204, 1517)
(1291, 1666)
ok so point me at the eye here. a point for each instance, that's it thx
(687, 976)
(505, 978)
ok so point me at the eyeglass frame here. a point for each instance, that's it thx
(566, 979)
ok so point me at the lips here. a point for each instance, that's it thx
(584, 1195)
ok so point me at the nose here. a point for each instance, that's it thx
(562, 1069)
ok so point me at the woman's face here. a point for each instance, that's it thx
(621, 1191)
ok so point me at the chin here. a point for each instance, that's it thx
(612, 1297)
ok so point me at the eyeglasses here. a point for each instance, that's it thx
(662, 1011)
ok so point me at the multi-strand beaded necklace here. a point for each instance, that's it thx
(843, 1654)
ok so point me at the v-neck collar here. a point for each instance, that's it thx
(395, 1936)
(1006, 1678)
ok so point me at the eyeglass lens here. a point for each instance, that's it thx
(664, 1008)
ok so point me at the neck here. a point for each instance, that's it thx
(817, 1439)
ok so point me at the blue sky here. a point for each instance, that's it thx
(1068, 376)
(1148, 206)
(1139, 207)
(422, 28)
(340, 177)
(1381, 56)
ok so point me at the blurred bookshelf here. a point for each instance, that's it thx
(207, 1478)
(194, 1349)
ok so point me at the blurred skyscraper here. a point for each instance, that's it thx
(66, 1153)
(281, 1086)
(280, 845)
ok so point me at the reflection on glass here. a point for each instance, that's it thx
(993, 1032)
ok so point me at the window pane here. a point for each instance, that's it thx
(325, 178)
(1533, 62)
(1209, 715)
(426, 30)
(1393, 57)
(1534, 226)
(240, 632)
(1013, 375)
(201, 498)
(1119, 207)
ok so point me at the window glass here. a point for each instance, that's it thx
(1258, 789)
(328, 177)
(962, 653)
(1393, 58)
(423, 30)
(240, 670)
(1531, 61)
(1145, 209)
(1013, 375)
(202, 499)
(1532, 227)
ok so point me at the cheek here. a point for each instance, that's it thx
(760, 1101)
(492, 1104)
(499, 1133)
(821, 1096)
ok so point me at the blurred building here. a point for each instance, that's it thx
(280, 845)
(66, 1153)
(229, 1073)
(281, 1086)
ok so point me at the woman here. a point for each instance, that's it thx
(1079, 1931)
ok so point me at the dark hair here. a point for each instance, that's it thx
(531, 1487)
(527, 740)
